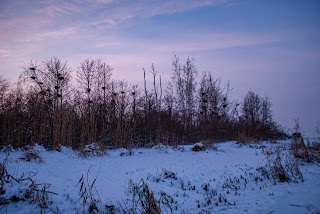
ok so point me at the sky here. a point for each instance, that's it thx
(269, 46)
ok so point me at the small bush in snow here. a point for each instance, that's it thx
(169, 174)
(198, 147)
(31, 155)
(165, 174)
(93, 150)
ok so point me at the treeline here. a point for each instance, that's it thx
(45, 108)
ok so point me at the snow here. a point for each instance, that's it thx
(225, 175)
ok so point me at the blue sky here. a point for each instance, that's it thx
(271, 47)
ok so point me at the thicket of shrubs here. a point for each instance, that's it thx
(45, 108)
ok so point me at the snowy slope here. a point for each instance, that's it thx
(222, 179)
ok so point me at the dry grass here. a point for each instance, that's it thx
(314, 152)
(244, 138)
(143, 200)
(26, 190)
(31, 155)
(283, 166)
(88, 194)
(93, 149)
(308, 152)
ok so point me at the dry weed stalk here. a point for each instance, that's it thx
(29, 190)
(282, 166)
(143, 200)
(88, 193)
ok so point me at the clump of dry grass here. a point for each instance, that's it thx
(298, 146)
(26, 189)
(93, 149)
(278, 169)
(88, 194)
(308, 152)
(31, 155)
(143, 199)
(314, 151)
(282, 166)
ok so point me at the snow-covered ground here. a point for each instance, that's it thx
(221, 179)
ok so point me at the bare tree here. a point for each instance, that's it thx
(257, 117)
(4, 86)
(103, 79)
(101, 110)
(56, 77)
(178, 84)
(51, 80)
(184, 81)
(87, 80)
(251, 108)
(190, 74)
(86, 74)
(266, 112)
(169, 98)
